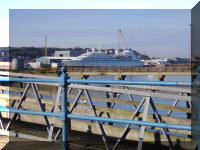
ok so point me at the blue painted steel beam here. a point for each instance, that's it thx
(7, 79)
(29, 112)
(132, 122)
(102, 119)
(120, 82)
(90, 81)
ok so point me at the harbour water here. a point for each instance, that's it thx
(138, 98)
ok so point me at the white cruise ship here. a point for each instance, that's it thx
(125, 58)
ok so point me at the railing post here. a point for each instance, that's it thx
(63, 83)
(196, 113)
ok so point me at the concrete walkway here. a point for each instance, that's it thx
(23, 144)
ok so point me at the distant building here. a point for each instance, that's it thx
(161, 61)
(57, 58)
(5, 59)
(4, 53)
(17, 63)
(178, 60)
(49, 60)
(9, 63)
(69, 53)
(62, 53)
(54, 65)
(5, 63)
(33, 65)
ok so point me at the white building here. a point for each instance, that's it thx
(5, 65)
(34, 65)
(161, 61)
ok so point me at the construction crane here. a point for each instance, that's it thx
(45, 46)
(122, 41)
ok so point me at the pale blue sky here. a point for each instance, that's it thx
(155, 32)
(5, 5)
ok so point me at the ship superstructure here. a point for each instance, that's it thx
(125, 58)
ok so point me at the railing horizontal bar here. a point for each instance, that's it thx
(134, 92)
(133, 122)
(161, 88)
(103, 119)
(120, 82)
(7, 79)
(92, 81)
(24, 75)
(30, 112)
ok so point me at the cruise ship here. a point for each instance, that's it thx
(125, 58)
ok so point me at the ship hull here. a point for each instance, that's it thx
(109, 63)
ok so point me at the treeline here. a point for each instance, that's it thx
(141, 56)
(33, 52)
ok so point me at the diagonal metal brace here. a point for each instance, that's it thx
(99, 124)
(40, 104)
(126, 129)
(144, 118)
(23, 97)
(56, 103)
(159, 119)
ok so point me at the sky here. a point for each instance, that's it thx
(154, 32)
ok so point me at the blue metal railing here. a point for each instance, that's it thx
(8, 79)
(121, 82)
(102, 119)
(64, 80)
(92, 81)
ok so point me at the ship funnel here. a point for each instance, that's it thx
(99, 47)
(117, 52)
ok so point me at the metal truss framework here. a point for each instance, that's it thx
(145, 102)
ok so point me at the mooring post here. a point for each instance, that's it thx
(21, 85)
(161, 77)
(63, 83)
